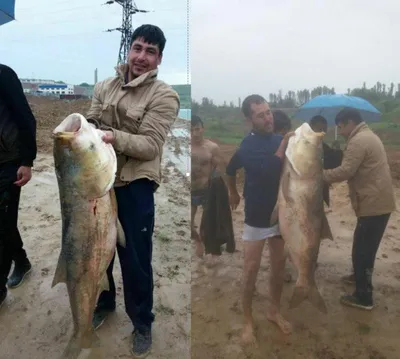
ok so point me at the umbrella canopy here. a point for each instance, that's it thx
(328, 106)
(7, 11)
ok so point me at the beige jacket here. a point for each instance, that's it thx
(140, 113)
(365, 167)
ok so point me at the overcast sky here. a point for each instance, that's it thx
(262, 46)
(64, 39)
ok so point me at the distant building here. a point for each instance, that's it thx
(86, 91)
(56, 89)
(37, 81)
(29, 88)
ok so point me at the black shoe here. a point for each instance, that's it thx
(3, 296)
(100, 315)
(19, 273)
(141, 343)
(354, 301)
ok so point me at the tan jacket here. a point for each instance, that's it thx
(140, 113)
(365, 167)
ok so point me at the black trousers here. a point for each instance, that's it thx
(367, 238)
(136, 214)
(11, 246)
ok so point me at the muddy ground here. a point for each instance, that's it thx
(35, 322)
(344, 333)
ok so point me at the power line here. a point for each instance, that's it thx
(129, 8)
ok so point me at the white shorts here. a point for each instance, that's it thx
(255, 234)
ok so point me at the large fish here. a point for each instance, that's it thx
(300, 211)
(85, 167)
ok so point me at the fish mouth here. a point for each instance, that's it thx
(69, 128)
(66, 136)
(320, 134)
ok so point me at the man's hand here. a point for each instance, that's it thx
(287, 136)
(108, 137)
(24, 175)
(234, 200)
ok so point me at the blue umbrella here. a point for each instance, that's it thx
(328, 106)
(7, 11)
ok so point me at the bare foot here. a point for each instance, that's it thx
(282, 323)
(248, 337)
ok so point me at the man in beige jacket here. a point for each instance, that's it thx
(136, 111)
(365, 167)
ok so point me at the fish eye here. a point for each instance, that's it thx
(92, 146)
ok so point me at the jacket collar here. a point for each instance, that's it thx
(144, 79)
(360, 127)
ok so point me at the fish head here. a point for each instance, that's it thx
(86, 159)
(304, 151)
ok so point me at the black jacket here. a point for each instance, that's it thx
(332, 159)
(216, 226)
(17, 123)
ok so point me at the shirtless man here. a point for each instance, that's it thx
(206, 160)
(261, 154)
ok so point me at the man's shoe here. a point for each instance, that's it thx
(100, 315)
(3, 296)
(19, 273)
(141, 343)
(348, 279)
(354, 301)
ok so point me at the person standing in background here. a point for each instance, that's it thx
(332, 155)
(17, 152)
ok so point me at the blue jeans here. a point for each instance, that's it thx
(136, 214)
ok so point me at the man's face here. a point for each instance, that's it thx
(320, 127)
(197, 132)
(346, 129)
(261, 118)
(143, 57)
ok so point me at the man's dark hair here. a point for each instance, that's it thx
(196, 120)
(248, 101)
(347, 114)
(281, 120)
(151, 34)
(318, 119)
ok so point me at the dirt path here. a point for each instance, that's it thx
(36, 320)
(344, 333)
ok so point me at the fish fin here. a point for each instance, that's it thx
(285, 187)
(326, 232)
(274, 216)
(120, 234)
(60, 276)
(104, 284)
(75, 345)
(300, 294)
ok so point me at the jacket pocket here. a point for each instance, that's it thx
(134, 118)
(106, 115)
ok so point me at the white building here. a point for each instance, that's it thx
(56, 89)
(37, 81)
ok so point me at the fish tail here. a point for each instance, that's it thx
(311, 293)
(76, 344)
